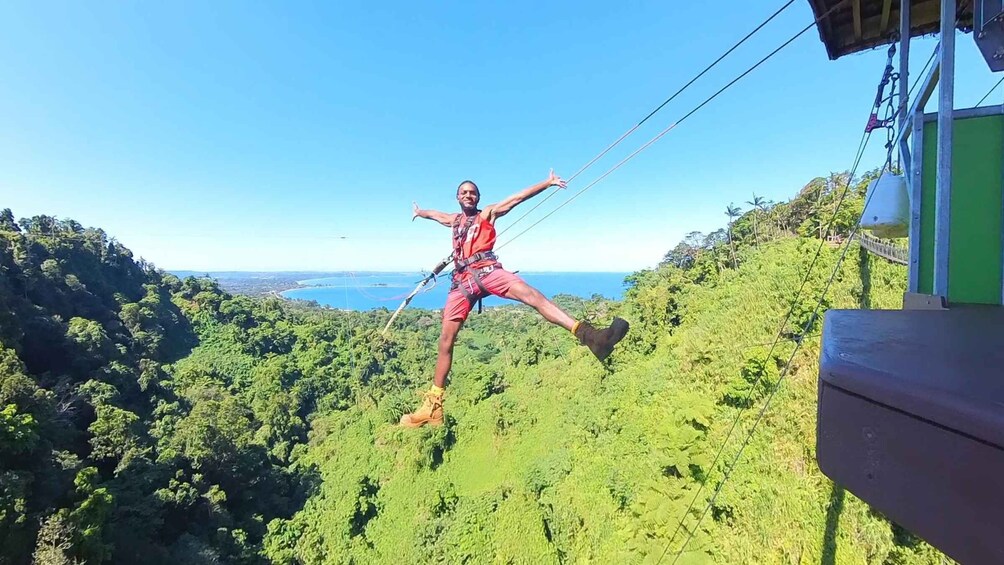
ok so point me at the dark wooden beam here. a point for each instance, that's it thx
(858, 25)
(856, 7)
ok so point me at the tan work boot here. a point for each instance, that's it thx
(430, 412)
(601, 342)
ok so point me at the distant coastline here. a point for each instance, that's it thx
(365, 290)
(370, 291)
(258, 283)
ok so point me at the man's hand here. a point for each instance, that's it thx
(503, 207)
(441, 217)
(555, 180)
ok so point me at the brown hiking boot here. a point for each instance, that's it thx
(601, 342)
(431, 412)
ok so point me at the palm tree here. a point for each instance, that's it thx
(765, 204)
(757, 204)
(732, 211)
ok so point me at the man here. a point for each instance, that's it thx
(477, 273)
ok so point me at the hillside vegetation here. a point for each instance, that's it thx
(145, 418)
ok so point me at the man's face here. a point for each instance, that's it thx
(468, 196)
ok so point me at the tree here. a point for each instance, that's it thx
(216, 433)
(17, 431)
(7, 222)
(113, 432)
(90, 341)
(55, 541)
(732, 211)
(764, 209)
(39, 225)
(757, 204)
(88, 519)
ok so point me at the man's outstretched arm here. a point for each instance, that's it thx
(441, 217)
(503, 207)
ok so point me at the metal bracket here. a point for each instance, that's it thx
(988, 31)
(916, 301)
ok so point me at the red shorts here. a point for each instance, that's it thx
(497, 282)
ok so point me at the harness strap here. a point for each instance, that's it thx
(479, 256)
(470, 293)
(461, 226)
(460, 233)
(481, 287)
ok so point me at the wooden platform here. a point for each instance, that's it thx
(911, 420)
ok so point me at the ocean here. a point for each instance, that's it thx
(367, 291)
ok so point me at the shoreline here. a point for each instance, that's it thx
(370, 291)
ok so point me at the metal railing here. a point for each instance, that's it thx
(884, 248)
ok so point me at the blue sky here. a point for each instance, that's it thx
(294, 136)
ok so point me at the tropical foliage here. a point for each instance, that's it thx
(145, 418)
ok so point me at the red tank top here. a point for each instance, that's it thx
(480, 237)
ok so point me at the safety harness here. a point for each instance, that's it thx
(461, 226)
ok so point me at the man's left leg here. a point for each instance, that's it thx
(520, 290)
(600, 342)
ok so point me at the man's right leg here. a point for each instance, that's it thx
(431, 412)
(447, 338)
